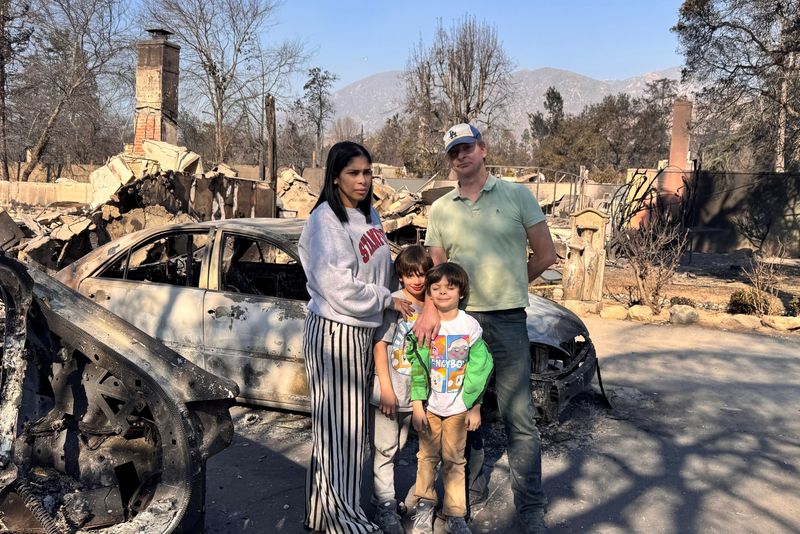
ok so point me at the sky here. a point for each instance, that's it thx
(603, 39)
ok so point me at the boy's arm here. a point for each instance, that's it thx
(420, 377)
(388, 399)
(476, 376)
(419, 371)
(418, 417)
(473, 419)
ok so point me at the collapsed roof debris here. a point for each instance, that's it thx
(167, 185)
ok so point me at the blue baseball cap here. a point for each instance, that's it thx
(459, 134)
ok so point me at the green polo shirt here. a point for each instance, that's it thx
(489, 239)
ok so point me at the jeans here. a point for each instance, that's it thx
(507, 337)
(445, 439)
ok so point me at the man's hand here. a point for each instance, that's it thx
(388, 403)
(426, 327)
(473, 419)
(418, 418)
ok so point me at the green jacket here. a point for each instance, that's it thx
(476, 375)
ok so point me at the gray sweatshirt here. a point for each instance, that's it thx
(348, 266)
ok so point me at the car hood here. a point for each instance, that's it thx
(552, 324)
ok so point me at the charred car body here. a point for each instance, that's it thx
(102, 427)
(231, 297)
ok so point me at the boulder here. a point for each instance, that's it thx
(579, 307)
(740, 321)
(642, 314)
(614, 311)
(781, 323)
(681, 314)
(662, 316)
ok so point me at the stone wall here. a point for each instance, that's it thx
(42, 194)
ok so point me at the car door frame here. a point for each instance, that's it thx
(294, 310)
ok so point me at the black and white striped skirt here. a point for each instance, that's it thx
(339, 363)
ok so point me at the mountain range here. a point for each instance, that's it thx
(371, 100)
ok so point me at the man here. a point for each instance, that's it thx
(485, 225)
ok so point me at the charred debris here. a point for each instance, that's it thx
(166, 186)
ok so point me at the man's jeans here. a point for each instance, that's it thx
(507, 337)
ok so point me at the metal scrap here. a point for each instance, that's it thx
(109, 413)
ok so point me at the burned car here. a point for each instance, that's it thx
(231, 297)
(102, 427)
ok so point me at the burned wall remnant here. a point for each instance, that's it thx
(755, 210)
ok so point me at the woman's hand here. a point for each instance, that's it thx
(403, 306)
(388, 402)
(418, 417)
(473, 419)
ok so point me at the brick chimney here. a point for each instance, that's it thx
(156, 90)
(671, 180)
(679, 144)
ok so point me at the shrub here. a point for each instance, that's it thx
(753, 302)
(794, 306)
(682, 301)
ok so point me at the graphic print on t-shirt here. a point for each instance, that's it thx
(448, 362)
(398, 360)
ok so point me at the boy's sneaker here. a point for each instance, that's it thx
(456, 525)
(423, 519)
(387, 518)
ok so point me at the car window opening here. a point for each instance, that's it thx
(174, 259)
(256, 267)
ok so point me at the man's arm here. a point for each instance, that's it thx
(544, 252)
(427, 324)
(438, 255)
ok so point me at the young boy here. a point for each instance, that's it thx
(451, 376)
(390, 410)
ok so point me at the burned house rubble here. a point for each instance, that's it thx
(169, 185)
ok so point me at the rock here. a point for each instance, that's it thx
(662, 316)
(781, 323)
(640, 313)
(738, 321)
(680, 314)
(579, 307)
(614, 311)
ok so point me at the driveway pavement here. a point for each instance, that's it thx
(704, 437)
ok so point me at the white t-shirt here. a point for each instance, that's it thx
(449, 355)
(393, 331)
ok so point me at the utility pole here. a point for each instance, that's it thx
(271, 150)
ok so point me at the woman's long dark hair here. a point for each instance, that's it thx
(339, 157)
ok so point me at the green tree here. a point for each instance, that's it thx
(318, 106)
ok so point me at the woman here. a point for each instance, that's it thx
(346, 258)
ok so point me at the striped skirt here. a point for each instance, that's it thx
(339, 363)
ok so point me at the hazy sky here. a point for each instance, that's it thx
(604, 39)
